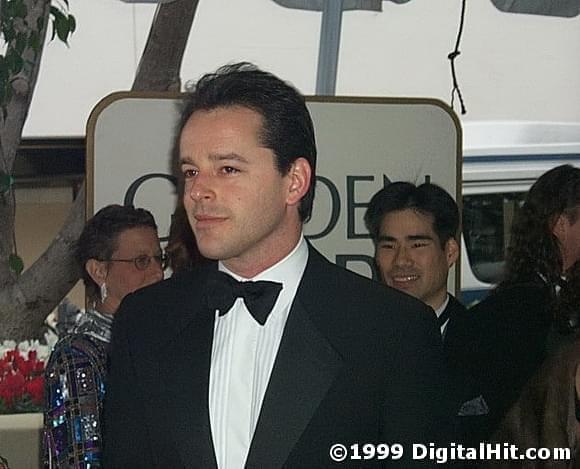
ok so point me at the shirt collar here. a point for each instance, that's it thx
(439, 311)
(287, 271)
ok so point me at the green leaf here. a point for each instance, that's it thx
(9, 60)
(9, 32)
(5, 95)
(14, 62)
(26, 405)
(20, 9)
(6, 182)
(8, 9)
(18, 64)
(4, 409)
(72, 24)
(62, 28)
(16, 264)
(20, 43)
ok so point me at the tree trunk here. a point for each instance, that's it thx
(11, 125)
(25, 300)
(24, 306)
(163, 54)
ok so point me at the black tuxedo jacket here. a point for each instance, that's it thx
(358, 362)
(498, 347)
(453, 333)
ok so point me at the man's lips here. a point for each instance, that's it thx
(207, 220)
(403, 280)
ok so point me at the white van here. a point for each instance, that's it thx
(501, 160)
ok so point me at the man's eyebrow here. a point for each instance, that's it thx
(216, 157)
(417, 237)
(228, 157)
(185, 160)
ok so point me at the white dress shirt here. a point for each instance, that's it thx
(439, 312)
(242, 358)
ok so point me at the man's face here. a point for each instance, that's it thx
(241, 209)
(410, 257)
(567, 230)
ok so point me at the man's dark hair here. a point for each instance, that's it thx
(534, 249)
(426, 199)
(100, 236)
(287, 127)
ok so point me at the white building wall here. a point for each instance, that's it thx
(512, 66)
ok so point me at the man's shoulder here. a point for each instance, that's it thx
(327, 286)
(165, 301)
(512, 301)
(189, 282)
(456, 307)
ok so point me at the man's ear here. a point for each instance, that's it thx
(300, 175)
(451, 251)
(97, 270)
(559, 228)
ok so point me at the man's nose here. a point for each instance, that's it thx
(402, 257)
(200, 188)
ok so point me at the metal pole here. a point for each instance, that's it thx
(329, 47)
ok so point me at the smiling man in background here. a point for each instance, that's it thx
(414, 229)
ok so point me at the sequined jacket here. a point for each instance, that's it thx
(74, 392)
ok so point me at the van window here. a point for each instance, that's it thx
(487, 221)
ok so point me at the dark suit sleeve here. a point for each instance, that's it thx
(509, 329)
(126, 443)
(418, 397)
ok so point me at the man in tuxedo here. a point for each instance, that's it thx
(271, 355)
(414, 230)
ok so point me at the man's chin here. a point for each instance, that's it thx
(214, 251)
(405, 287)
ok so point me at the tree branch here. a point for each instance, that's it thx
(161, 60)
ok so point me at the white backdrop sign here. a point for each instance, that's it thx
(362, 144)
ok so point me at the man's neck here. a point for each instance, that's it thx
(439, 303)
(251, 264)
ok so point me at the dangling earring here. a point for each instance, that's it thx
(103, 292)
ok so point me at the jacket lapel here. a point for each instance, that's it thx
(305, 367)
(185, 364)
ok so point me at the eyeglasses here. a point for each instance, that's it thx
(143, 261)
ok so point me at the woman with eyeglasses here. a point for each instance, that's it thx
(119, 253)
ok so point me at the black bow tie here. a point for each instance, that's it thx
(259, 297)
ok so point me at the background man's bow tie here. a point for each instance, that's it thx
(259, 297)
